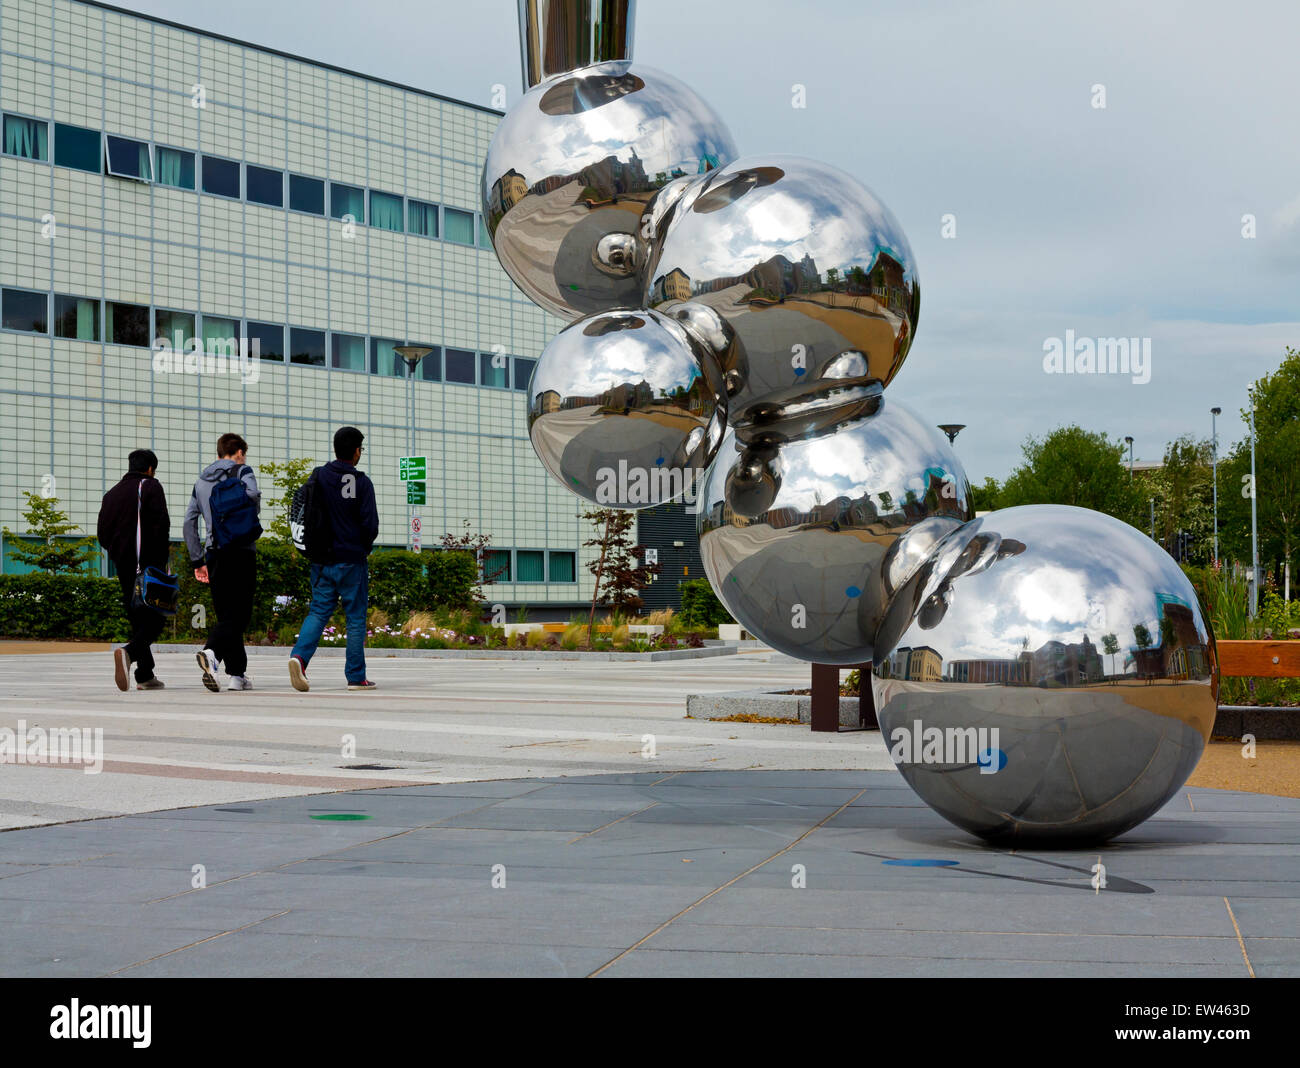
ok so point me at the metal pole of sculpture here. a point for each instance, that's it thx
(733, 323)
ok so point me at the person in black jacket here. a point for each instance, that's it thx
(349, 500)
(139, 493)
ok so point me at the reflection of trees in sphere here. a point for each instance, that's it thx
(795, 537)
(578, 158)
(1009, 656)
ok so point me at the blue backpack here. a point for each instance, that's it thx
(234, 513)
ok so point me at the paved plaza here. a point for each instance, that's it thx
(737, 849)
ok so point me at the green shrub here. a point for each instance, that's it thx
(451, 579)
(397, 583)
(40, 605)
(700, 605)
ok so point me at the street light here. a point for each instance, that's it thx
(952, 430)
(1153, 519)
(1129, 439)
(412, 355)
(1254, 532)
(1214, 446)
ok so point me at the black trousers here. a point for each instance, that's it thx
(146, 625)
(232, 576)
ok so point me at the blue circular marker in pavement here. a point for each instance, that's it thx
(853, 591)
(798, 371)
(916, 862)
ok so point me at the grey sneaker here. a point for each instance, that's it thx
(298, 675)
(240, 682)
(122, 669)
(208, 665)
(151, 684)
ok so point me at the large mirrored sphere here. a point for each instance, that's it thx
(570, 170)
(1057, 681)
(799, 533)
(802, 260)
(626, 409)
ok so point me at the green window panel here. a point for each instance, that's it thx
(76, 318)
(26, 138)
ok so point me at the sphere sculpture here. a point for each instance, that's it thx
(1003, 700)
(733, 324)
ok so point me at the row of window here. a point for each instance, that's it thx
(79, 319)
(529, 565)
(123, 157)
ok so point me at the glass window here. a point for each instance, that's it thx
(26, 138)
(76, 317)
(496, 565)
(383, 360)
(347, 200)
(385, 211)
(128, 159)
(422, 218)
(530, 565)
(494, 369)
(26, 311)
(306, 194)
(348, 352)
(562, 567)
(431, 366)
(176, 328)
(523, 372)
(175, 167)
(77, 147)
(483, 240)
(264, 186)
(460, 366)
(221, 336)
(221, 176)
(307, 346)
(460, 225)
(126, 324)
(267, 339)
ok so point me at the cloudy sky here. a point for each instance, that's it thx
(1122, 221)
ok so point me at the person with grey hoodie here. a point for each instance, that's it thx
(227, 499)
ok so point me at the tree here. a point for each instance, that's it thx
(52, 551)
(619, 570)
(478, 546)
(1072, 466)
(986, 497)
(285, 478)
(1184, 507)
(1276, 401)
(1110, 645)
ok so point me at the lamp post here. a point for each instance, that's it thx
(1129, 439)
(952, 430)
(1153, 518)
(1214, 455)
(411, 355)
(1254, 530)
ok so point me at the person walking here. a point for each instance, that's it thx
(135, 530)
(227, 499)
(346, 498)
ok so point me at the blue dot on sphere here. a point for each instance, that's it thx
(853, 591)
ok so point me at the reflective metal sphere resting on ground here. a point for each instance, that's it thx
(627, 409)
(571, 168)
(1055, 680)
(800, 258)
(797, 529)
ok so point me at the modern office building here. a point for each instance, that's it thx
(165, 191)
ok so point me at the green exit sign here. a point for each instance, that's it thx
(411, 468)
(414, 492)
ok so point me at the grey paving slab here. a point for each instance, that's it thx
(594, 865)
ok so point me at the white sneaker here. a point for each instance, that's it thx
(208, 665)
(240, 682)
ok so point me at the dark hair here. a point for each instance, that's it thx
(141, 460)
(229, 444)
(347, 439)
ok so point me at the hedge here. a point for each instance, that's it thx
(39, 605)
(700, 605)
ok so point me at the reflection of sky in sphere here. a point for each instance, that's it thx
(814, 209)
(576, 364)
(1081, 573)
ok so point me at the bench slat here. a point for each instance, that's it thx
(1259, 659)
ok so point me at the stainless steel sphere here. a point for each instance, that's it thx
(801, 260)
(803, 520)
(1059, 666)
(571, 168)
(626, 409)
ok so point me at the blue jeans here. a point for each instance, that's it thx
(330, 584)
